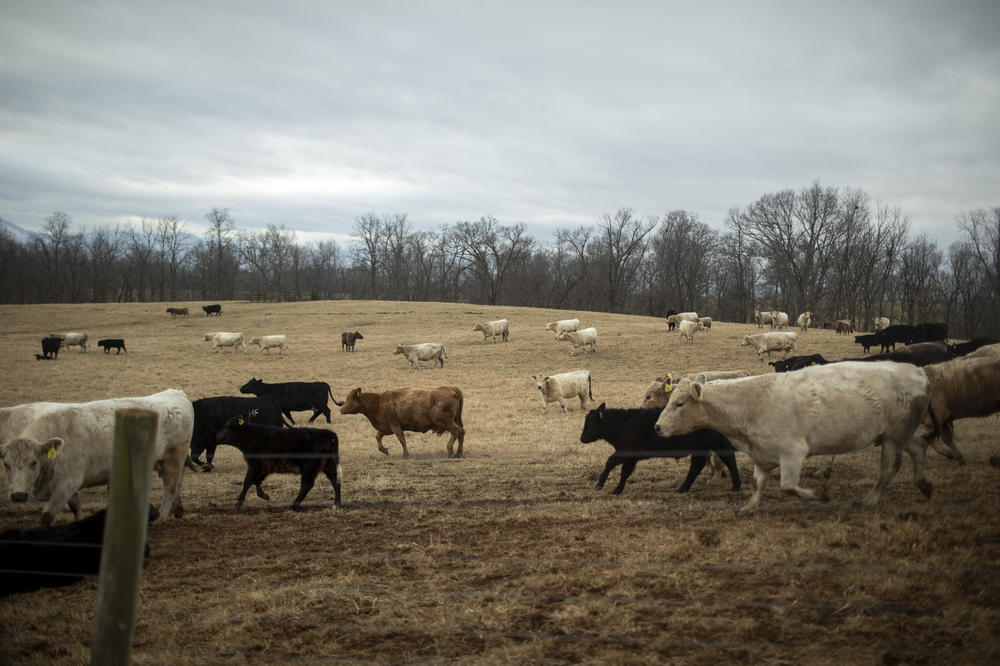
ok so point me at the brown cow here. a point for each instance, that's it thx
(960, 389)
(414, 409)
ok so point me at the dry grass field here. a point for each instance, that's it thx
(508, 555)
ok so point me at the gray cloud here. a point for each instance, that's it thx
(309, 114)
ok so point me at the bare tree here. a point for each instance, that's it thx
(620, 248)
(172, 252)
(983, 229)
(104, 248)
(739, 269)
(492, 251)
(918, 276)
(365, 252)
(224, 254)
(681, 260)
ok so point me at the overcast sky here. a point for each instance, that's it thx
(309, 114)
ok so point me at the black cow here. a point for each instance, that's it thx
(112, 343)
(211, 414)
(793, 363)
(867, 341)
(963, 348)
(53, 556)
(50, 347)
(212, 310)
(631, 432)
(670, 324)
(273, 450)
(890, 336)
(295, 396)
(347, 340)
(39, 357)
(919, 354)
(927, 333)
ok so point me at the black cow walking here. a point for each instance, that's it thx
(793, 363)
(212, 310)
(631, 432)
(112, 343)
(273, 450)
(211, 414)
(295, 396)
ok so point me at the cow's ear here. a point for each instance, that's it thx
(51, 447)
(696, 391)
(356, 393)
(239, 420)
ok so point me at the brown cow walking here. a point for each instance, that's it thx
(415, 409)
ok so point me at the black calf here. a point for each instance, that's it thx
(50, 347)
(112, 343)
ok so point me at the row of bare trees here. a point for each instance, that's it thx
(829, 250)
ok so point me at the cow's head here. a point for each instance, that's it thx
(658, 392)
(352, 403)
(232, 427)
(208, 337)
(252, 386)
(684, 411)
(541, 383)
(255, 341)
(746, 341)
(477, 327)
(358, 336)
(398, 349)
(25, 460)
(593, 425)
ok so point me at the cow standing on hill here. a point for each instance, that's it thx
(347, 340)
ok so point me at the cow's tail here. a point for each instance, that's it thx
(458, 412)
(590, 391)
(330, 393)
(935, 423)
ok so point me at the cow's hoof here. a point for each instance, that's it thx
(926, 487)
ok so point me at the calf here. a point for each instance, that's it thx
(424, 351)
(347, 340)
(963, 348)
(960, 389)
(53, 556)
(295, 396)
(211, 414)
(177, 312)
(274, 450)
(222, 339)
(558, 327)
(767, 343)
(631, 432)
(499, 328)
(845, 326)
(867, 341)
(582, 339)
(50, 346)
(72, 340)
(415, 409)
(112, 343)
(688, 328)
(565, 385)
(890, 336)
(279, 342)
(212, 310)
(793, 363)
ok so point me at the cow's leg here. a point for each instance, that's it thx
(248, 481)
(583, 400)
(628, 466)
(288, 415)
(916, 447)
(335, 476)
(378, 438)
(760, 476)
(891, 454)
(697, 464)
(74, 506)
(173, 475)
(729, 460)
(613, 461)
(791, 471)
(306, 481)
(398, 432)
(947, 433)
(562, 403)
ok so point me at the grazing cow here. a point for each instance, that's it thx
(867, 341)
(780, 419)
(267, 342)
(294, 396)
(210, 414)
(804, 320)
(706, 322)
(631, 432)
(395, 411)
(766, 343)
(50, 346)
(347, 340)
(919, 354)
(676, 318)
(212, 310)
(72, 340)
(424, 351)
(225, 339)
(68, 447)
(112, 343)
(779, 320)
(793, 363)
(687, 329)
(845, 326)
(880, 323)
(960, 389)
(53, 556)
(179, 312)
(557, 388)
(986, 351)
(493, 329)
(274, 450)
(763, 318)
(583, 339)
(963, 348)
(558, 327)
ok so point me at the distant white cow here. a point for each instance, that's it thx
(675, 319)
(562, 325)
(69, 447)
(804, 320)
(268, 341)
(225, 339)
(424, 351)
(766, 343)
(763, 318)
(779, 320)
(688, 328)
(880, 323)
(780, 419)
(72, 340)
(557, 388)
(493, 329)
(706, 322)
(582, 339)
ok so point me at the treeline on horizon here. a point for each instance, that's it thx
(825, 249)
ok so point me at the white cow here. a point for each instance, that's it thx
(880, 323)
(771, 342)
(779, 320)
(558, 327)
(424, 351)
(706, 322)
(780, 419)
(804, 320)
(225, 339)
(675, 319)
(72, 340)
(15, 419)
(688, 328)
(557, 388)
(763, 318)
(493, 329)
(69, 447)
(268, 341)
(582, 339)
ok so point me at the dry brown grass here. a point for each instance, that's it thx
(509, 554)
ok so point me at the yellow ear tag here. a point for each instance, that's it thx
(667, 387)
(52, 453)
(239, 420)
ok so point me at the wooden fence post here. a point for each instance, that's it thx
(124, 536)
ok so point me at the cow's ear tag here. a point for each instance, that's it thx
(667, 387)
(52, 453)
(239, 420)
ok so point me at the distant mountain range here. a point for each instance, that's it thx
(20, 235)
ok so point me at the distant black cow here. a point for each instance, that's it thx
(793, 363)
(867, 341)
(890, 336)
(670, 324)
(631, 432)
(963, 348)
(927, 333)
(50, 347)
(273, 450)
(39, 357)
(112, 343)
(347, 340)
(919, 354)
(295, 396)
(212, 310)
(53, 556)
(211, 414)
